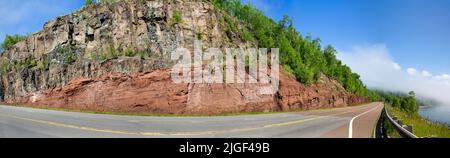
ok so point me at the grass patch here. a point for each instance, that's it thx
(421, 126)
(5, 67)
(177, 18)
(129, 52)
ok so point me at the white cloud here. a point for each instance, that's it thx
(411, 71)
(443, 77)
(379, 70)
(426, 73)
(397, 66)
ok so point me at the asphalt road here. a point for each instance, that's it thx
(357, 121)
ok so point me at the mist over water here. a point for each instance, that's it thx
(379, 70)
(439, 113)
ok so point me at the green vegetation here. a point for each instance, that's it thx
(108, 1)
(177, 18)
(199, 36)
(302, 56)
(129, 52)
(405, 103)
(68, 53)
(92, 2)
(69, 58)
(43, 64)
(89, 2)
(5, 67)
(112, 53)
(19, 65)
(142, 2)
(11, 40)
(30, 63)
(406, 108)
(103, 57)
(421, 126)
(142, 54)
(390, 129)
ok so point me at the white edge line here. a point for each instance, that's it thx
(350, 127)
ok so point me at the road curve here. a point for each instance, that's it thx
(353, 122)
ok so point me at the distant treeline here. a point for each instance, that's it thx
(405, 102)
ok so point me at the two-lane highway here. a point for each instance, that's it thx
(356, 121)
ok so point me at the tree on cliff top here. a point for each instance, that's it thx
(11, 40)
(89, 2)
(92, 2)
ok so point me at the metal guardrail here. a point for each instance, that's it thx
(400, 129)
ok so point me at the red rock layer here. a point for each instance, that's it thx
(156, 93)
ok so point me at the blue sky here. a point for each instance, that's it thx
(393, 44)
(28, 16)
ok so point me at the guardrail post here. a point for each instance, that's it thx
(405, 130)
(408, 128)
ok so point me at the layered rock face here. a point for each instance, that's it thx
(116, 57)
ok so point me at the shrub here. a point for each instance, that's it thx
(142, 2)
(31, 63)
(142, 54)
(43, 64)
(89, 2)
(199, 36)
(304, 75)
(5, 68)
(69, 58)
(130, 53)
(93, 56)
(113, 53)
(11, 40)
(247, 36)
(108, 1)
(102, 57)
(177, 18)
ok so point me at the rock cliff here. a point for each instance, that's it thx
(116, 57)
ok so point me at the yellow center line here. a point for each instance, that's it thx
(175, 133)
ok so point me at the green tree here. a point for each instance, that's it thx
(412, 93)
(409, 103)
(89, 2)
(11, 40)
(108, 1)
